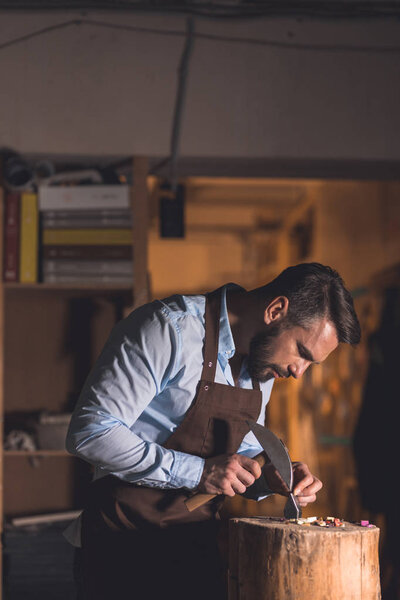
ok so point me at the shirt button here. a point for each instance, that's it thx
(210, 364)
(206, 387)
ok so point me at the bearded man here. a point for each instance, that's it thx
(163, 415)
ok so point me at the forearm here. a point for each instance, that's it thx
(118, 451)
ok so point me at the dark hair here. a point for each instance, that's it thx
(317, 291)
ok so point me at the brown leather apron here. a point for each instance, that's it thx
(142, 542)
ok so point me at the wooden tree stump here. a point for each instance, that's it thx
(273, 560)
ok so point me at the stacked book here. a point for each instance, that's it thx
(86, 234)
(21, 237)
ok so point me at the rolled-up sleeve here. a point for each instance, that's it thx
(137, 362)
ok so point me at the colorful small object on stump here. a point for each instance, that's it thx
(324, 522)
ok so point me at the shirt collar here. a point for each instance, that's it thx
(226, 346)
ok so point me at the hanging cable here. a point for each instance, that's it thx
(180, 100)
(172, 195)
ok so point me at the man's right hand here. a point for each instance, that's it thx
(228, 474)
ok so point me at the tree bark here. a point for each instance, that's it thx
(273, 560)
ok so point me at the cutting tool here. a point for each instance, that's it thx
(278, 456)
(276, 453)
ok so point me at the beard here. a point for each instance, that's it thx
(260, 362)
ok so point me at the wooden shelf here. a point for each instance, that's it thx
(28, 453)
(68, 286)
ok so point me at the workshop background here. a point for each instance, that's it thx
(251, 136)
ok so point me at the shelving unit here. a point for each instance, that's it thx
(28, 453)
(50, 335)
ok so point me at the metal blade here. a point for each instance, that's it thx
(292, 510)
(275, 450)
(277, 453)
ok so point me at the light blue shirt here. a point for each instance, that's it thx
(141, 387)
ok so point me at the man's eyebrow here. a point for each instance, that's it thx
(305, 353)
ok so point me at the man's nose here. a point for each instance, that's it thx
(297, 369)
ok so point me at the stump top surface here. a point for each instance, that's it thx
(276, 523)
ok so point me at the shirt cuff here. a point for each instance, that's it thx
(186, 470)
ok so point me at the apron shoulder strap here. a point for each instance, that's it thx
(212, 316)
(212, 319)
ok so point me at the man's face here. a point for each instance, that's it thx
(281, 351)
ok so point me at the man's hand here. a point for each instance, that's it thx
(305, 485)
(228, 474)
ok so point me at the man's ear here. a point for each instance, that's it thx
(276, 310)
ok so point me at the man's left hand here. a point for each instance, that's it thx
(305, 484)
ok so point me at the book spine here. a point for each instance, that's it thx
(29, 241)
(86, 278)
(93, 252)
(101, 213)
(11, 238)
(85, 223)
(87, 212)
(91, 267)
(84, 197)
(111, 237)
